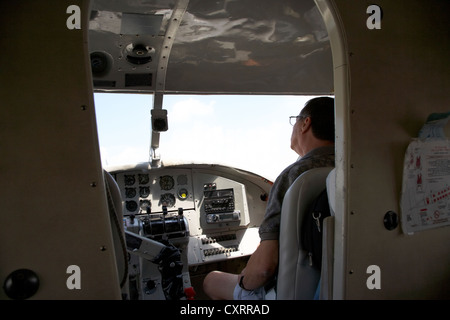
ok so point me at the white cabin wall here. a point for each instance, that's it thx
(53, 202)
(398, 74)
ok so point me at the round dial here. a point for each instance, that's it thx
(129, 179)
(130, 192)
(167, 199)
(131, 205)
(143, 178)
(182, 194)
(166, 182)
(144, 192)
(144, 204)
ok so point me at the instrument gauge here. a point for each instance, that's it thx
(182, 194)
(143, 178)
(131, 206)
(130, 179)
(145, 204)
(166, 182)
(144, 192)
(167, 199)
(130, 192)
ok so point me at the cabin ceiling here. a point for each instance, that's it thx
(205, 46)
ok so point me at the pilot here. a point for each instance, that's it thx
(313, 140)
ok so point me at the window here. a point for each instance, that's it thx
(249, 132)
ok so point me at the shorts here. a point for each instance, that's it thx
(257, 294)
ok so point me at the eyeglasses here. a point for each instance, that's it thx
(293, 119)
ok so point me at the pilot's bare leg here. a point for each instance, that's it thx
(220, 285)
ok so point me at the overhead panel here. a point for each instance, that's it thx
(225, 46)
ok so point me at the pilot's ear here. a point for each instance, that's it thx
(306, 124)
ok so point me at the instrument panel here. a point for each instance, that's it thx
(211, 213)
(217, 210)
(145, 192)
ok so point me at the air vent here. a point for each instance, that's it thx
(100, 63)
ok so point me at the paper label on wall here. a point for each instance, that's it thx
(425, 201)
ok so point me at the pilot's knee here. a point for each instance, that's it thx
(209, 283)
(220, 285)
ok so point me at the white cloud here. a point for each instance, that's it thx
(122, 155)
(187, 110)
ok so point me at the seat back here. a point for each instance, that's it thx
(297, 280)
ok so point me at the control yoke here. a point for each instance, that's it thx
(166, 256)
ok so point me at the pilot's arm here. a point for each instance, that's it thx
(261, 266)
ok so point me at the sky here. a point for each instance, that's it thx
(247, 132)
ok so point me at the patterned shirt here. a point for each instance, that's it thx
(319, 157)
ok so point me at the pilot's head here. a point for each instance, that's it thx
(314, 126)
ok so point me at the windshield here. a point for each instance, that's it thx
(248, 132)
